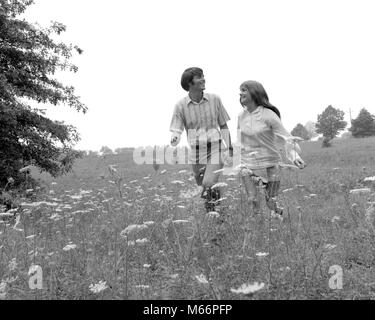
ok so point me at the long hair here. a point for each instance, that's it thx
(259, 95)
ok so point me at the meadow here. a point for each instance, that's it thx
(115, 230)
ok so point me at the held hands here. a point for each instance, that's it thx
(175, 139)
(228, 157)
(300, 163)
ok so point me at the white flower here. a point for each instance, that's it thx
(313, 195)
(287, 190)
(141, 241)
(360, 191)
(146, 265)
(134, 181)
(370, 179)
(132, 228)
(181, 207)
(182, 171)
(164, 171)
(174, 276)
(248, 288)
(330, 246)
(131, 243)
(99, 287)
(213, 214)
(70, 247)
(30, 237)
(335, 218)
(177, 182)
(219, 185)
(262, 254)
(149, 223)
(201, 279)
(180, 221)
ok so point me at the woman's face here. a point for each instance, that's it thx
(245, 96)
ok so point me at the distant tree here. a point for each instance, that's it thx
(93, 153)
(300, 131)
(330, 123)
(106, 151)
(311, 129)
(346, 135)
(363, 125)
(29, 59)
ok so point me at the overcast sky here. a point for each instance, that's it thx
(307, 55)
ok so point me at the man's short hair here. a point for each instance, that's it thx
(188, 76)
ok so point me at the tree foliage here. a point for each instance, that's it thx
(330, 123)
(300, 131)
(363, 125)
(29, 59)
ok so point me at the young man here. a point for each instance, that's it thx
(204, 118)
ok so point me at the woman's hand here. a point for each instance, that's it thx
(300, 163)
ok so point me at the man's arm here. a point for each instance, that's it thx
(227, 138)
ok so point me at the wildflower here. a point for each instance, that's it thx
(12, 264)
(335, 218)
(134, 181)
(131, 243)
(149, 223)
(313, 195)
(141, 241)
(219, 185)
(330, 246)
(213, 214)
(180, 221)
(146, 265)
(164, 171)
(30, 237)
(201, 279)
(132, 228)
(287, 190)
(25, 169)
(70, 247)
(177, 182)
(99, 287)
(371, 179)
(182, 171)
(181, 207)
(360, 191)
(10, 180)
(53, 183)
(174, 276)
(248, 288)
(262, 254)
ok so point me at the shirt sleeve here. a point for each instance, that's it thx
(223, 116)
(274, 122)
(177, 122)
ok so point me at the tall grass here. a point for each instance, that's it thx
(114, 230)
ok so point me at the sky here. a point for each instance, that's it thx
(307, 55)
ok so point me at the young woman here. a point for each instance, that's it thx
(261, 134)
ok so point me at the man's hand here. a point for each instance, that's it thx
(228, 157)
(175, 139)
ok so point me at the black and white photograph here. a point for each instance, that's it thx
(187, 155)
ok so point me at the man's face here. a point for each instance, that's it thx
(198, 83)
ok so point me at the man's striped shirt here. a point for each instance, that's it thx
(204, 118)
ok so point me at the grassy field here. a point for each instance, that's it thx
(133, 233)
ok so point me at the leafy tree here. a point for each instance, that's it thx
(106, 151)
(29, 58)
(300, 131)
(363, 125)
(330, 123)
(311, 129)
